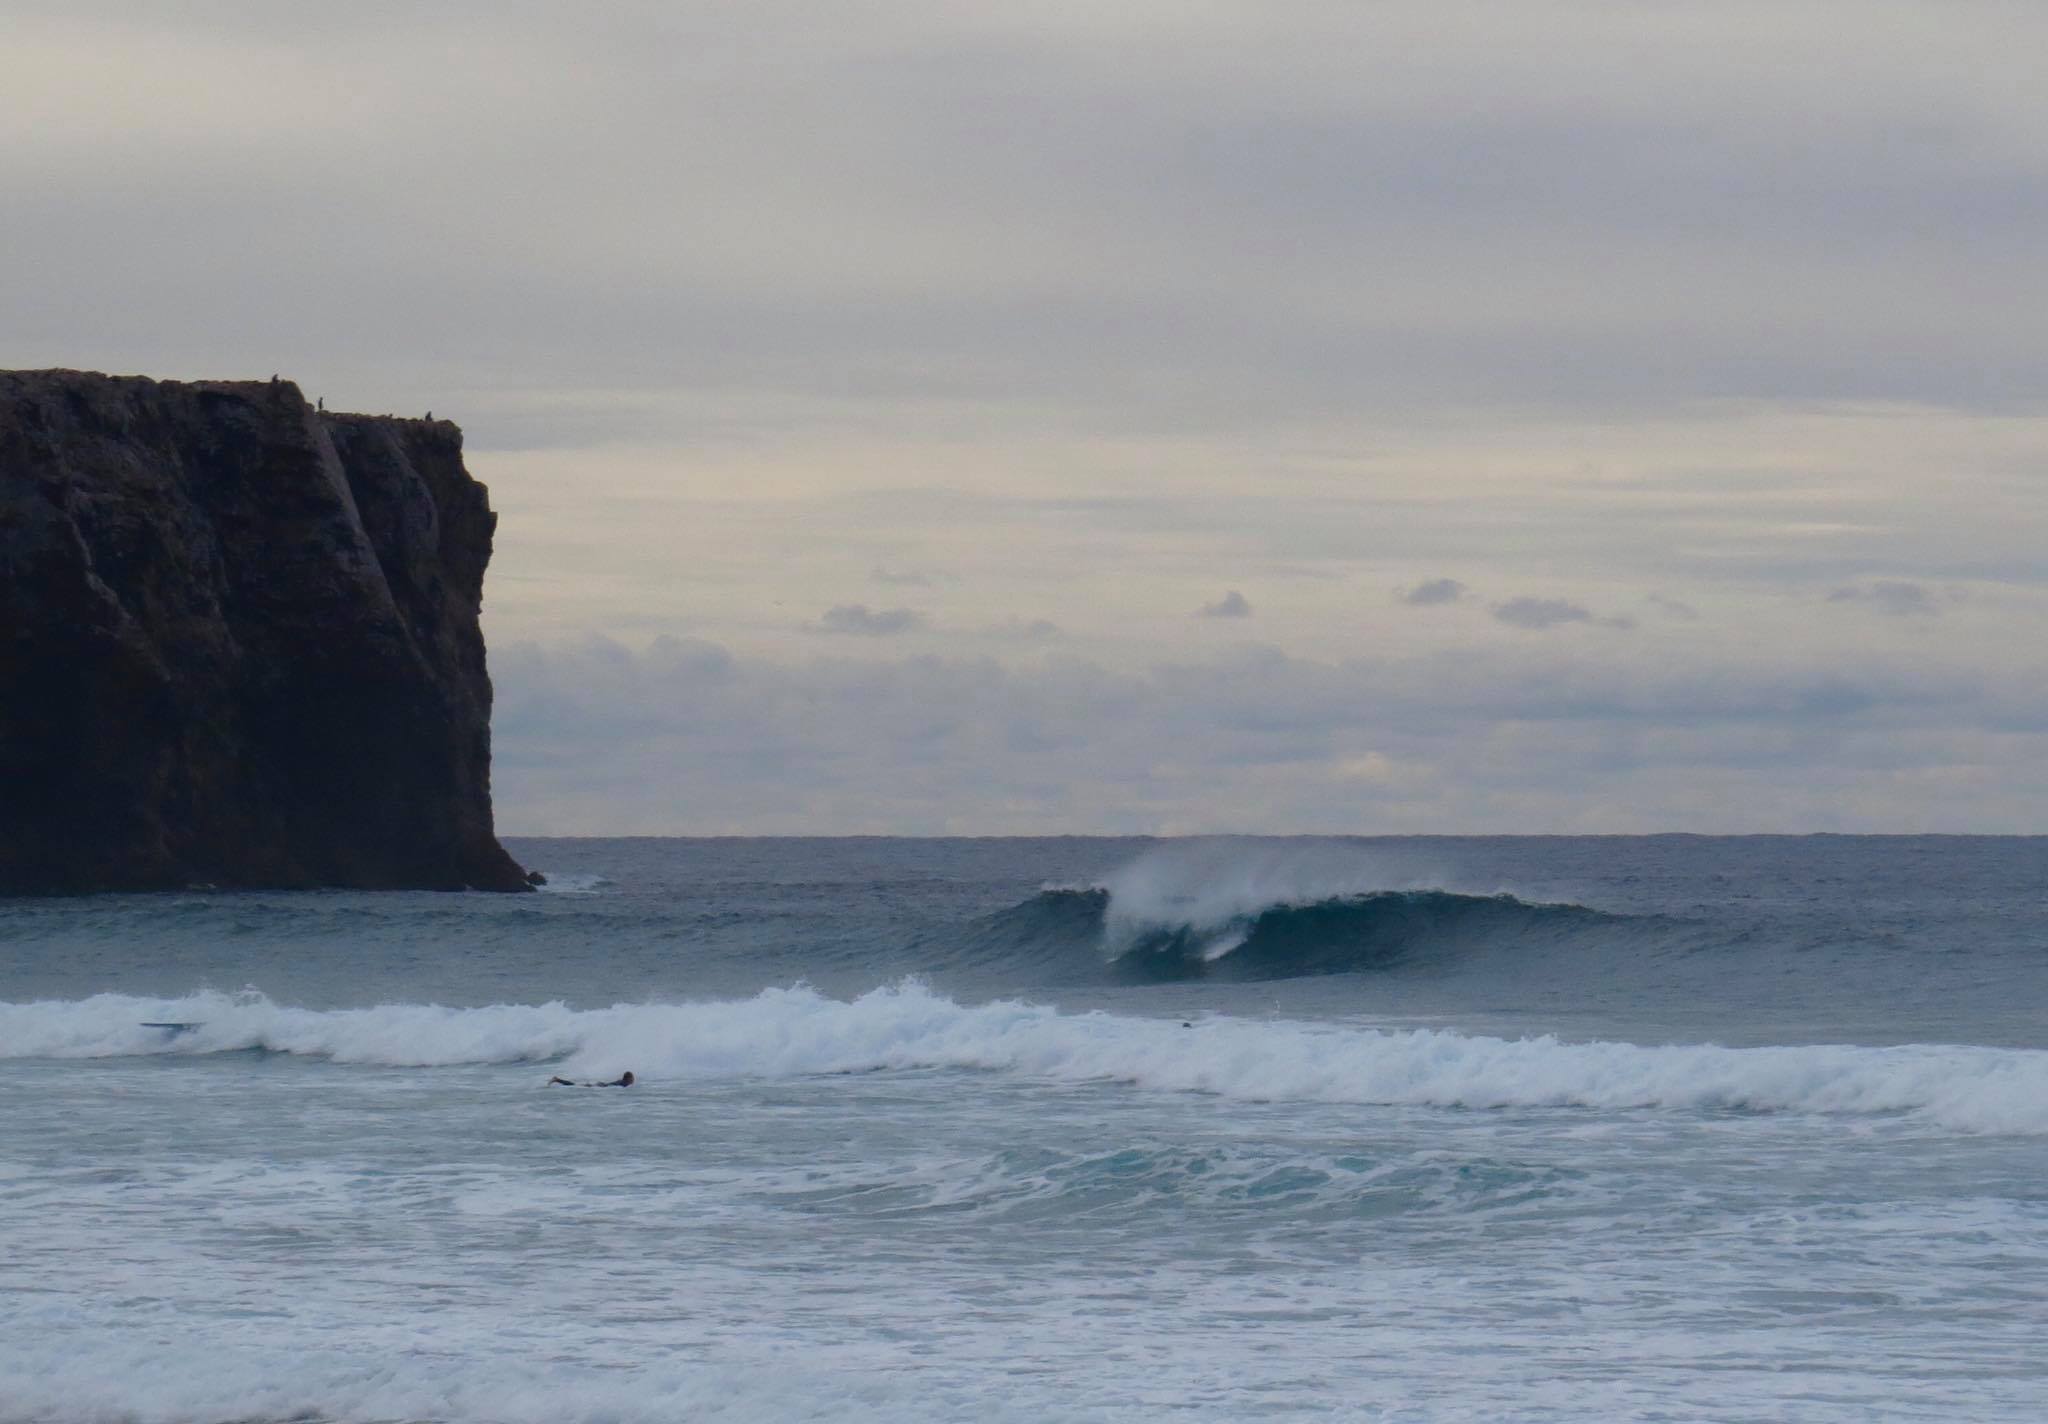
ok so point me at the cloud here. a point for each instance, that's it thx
(1673, 608)
(1537, 614)
(903, 578)
(1232, 605)
(1432, 593)
(1376, 769)
(1540, 613)
(1024, 630)
(1892, 597)
(860, 619)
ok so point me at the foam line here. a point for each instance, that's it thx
(795, 1032)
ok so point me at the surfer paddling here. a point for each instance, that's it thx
(624, 1080)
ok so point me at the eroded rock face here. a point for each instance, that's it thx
(238, 642)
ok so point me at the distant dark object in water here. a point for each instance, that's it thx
(175, 1027)
(624, 1080)
(535, 879)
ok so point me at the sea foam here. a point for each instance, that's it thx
(55, 1374)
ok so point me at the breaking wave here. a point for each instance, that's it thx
(1337, 934)
(1235, 911)
(572, 884)
(797, 1032)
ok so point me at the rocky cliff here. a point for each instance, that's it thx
(238, 642)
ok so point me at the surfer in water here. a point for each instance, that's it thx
(624, 1080)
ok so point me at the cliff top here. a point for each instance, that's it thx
(57, 378)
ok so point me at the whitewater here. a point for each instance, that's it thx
(1654, 1128)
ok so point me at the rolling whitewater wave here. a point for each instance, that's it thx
(799, 1032)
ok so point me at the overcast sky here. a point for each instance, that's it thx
(961, 417)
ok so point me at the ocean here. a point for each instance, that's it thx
(1638, 1128)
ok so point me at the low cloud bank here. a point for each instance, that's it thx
(683, 737)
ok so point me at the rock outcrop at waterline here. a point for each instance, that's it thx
(238, 642)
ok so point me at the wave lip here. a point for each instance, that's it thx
(782, 1033)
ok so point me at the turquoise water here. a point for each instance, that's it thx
(1659, 1128)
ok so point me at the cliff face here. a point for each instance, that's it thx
(238, 642)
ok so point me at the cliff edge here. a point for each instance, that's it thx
(238, 643)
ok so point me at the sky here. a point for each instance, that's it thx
(975, 418)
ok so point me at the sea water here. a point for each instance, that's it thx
(1659, 1128)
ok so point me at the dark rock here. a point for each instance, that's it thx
(238, 643)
